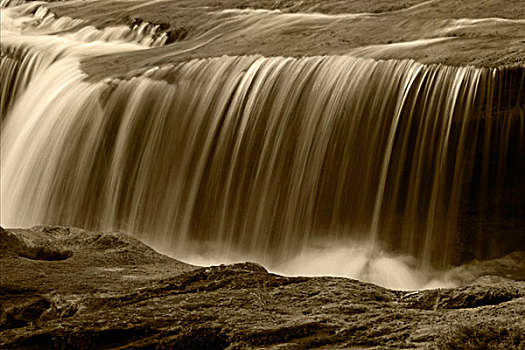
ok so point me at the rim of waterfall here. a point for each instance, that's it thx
(450, 32)
(269, 126)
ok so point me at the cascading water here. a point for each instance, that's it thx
(260, 157)
(24, 57)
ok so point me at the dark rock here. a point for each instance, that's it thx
(40, 251)
(465, 297)
(200, 337)
(279, 335)
(176, 34)
(482, 336)
(115, 292)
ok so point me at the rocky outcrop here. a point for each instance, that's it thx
(112, 291)
(43, 250)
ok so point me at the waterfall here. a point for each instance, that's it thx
(258, 156)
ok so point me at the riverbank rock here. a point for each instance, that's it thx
(109, 290)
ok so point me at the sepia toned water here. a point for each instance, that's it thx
(316, 165)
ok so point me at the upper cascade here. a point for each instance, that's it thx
(33, 39)
(35, 17)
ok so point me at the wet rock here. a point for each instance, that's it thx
(176, 34)
(466, 297)
(37, 251)
(115, 292)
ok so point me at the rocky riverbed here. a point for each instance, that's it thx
(65, 288)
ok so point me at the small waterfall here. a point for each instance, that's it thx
(18, 67)
(263, 157)
(23, 57)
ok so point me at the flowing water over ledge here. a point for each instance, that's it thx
(316, 165)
